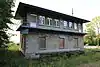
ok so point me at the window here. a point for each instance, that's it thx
(62, 43)
(65, 24)
(80, 27)
(32, 18)
(75, 26)
(48, 21)
(42, 42)
(70, 25)
(76, 42)
(54, 22)
(42, 20)
(57, 23)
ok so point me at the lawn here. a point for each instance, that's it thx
(12, 58)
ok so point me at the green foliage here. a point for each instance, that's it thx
(96, 23)
(93, 32)
(13, 46)
(91, 35)
(61, 60)
(5, 16)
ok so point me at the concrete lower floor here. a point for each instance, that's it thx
(40, 42)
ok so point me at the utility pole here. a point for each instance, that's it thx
(72, 12)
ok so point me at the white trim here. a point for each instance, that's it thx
(57, 22)
(59, 50)
(33, 14)
(43, 20)
(49, 20)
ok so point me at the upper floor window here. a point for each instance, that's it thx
(80, 27)
(57, 24)
(75, 26)
(32, 18)
(42, 20)
(48, 20)
(65, 24)
(70, 24)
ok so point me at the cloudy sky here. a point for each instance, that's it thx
(86, 9)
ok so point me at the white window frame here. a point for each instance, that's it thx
(50, 19)
(42, 20)
(57, 22)
(80, 27)
(75, 26)
(65, 24)
(70, 25)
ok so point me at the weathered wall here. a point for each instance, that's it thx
(52, 42)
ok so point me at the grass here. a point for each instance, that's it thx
(11, 57)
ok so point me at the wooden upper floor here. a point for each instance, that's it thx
(38, 21)
(40, 18)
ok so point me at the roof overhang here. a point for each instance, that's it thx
(50, 31)
(26, 8)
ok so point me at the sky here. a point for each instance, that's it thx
(86, 9)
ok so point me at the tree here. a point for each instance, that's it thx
(5, 16)
(96, 24)
(91, 35)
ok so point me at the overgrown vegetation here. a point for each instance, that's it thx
(13, 58)
(93, 32)
(5, 19)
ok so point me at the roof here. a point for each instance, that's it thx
(26, 8)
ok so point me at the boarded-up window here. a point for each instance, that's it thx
(62, 43)
(76, 42)
(32, 18)
(42, 42)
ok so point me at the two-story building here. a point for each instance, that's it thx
(47, 31)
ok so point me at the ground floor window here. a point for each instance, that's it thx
(76, 42)
(62, 43)
(42, 42)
